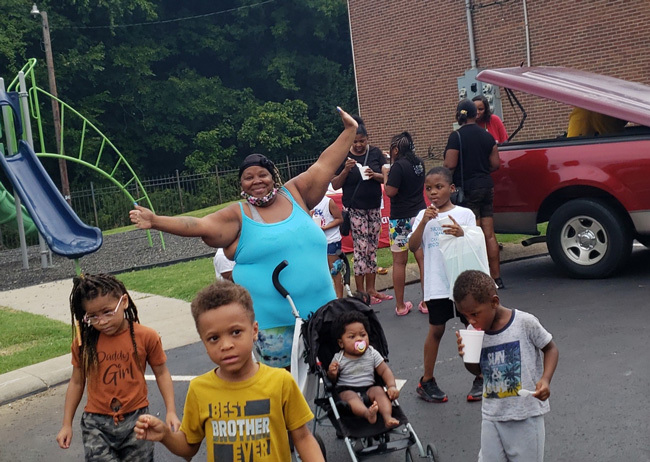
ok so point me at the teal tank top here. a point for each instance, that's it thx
(262, 246)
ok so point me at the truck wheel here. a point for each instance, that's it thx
(588, 239)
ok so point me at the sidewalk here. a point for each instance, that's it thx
(160, 313)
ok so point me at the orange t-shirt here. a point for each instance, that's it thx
(118, 386)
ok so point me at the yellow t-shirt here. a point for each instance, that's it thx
(588, 123)
(245, 421)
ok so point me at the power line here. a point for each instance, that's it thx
(167, 21)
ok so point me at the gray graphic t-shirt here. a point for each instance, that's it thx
(511, 359)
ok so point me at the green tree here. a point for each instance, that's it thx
(191, 84)
(277, 127)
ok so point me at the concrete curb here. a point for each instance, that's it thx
(163, 314)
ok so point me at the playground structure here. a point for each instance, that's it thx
(8, 211)
(58, 225)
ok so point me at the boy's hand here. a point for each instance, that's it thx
(392, 392)
(173, 422)
(542, 390)
(150, 428)
(64, 438)
(429, 213)
(460, 344)
(454, 229)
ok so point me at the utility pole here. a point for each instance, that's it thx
(63, 168)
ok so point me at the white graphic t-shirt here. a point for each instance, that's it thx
(436, 282)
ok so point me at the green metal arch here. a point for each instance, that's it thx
(87, 127)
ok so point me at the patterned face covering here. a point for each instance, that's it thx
(260, 201)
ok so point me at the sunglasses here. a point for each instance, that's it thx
(96, 318)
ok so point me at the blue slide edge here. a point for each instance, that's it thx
(64, 232)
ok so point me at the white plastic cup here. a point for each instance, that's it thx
(473, 341)
(362, 171)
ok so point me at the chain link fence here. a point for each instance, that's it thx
(107, 207)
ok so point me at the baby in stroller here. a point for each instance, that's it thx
(353, 370)
(325, 341)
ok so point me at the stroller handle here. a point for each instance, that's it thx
(276, 281)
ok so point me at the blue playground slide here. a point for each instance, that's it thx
(64, 232)
(62, 229)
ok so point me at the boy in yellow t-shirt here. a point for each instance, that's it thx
(243, 408)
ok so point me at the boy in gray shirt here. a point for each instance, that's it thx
(517, 354)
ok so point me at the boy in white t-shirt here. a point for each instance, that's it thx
(328, 216)
(427, 229)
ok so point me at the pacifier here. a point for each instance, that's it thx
(360, 346)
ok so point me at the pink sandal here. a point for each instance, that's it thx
(408, 306)
(423, 308)
(383, 296)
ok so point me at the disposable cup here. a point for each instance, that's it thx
(362, 169)
(473, 341)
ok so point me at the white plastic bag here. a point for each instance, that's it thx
(464, 253)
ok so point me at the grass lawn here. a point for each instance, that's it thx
(182, 280)
(27, 338)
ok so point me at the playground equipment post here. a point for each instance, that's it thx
(63, 168)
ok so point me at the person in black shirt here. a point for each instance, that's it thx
(479, 158)
(362, 198)
(404, 184)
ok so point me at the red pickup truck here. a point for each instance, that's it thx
(594, 191)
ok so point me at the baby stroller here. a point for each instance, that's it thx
(362, 438)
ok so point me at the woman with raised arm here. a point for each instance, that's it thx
(271, 225)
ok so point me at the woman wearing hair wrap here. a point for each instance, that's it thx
(272, 225)
(480, 157)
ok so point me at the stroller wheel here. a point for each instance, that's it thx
(432, 453)
(321, 443)
(408, 456)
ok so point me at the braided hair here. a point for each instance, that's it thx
(88, 287)
(403, 142)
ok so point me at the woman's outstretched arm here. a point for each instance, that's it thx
(311, 185)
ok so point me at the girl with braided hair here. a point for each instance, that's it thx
(404, 184)
(110, 352)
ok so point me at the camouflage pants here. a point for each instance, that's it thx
(105, 441)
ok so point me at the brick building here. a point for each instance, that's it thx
(409, 54)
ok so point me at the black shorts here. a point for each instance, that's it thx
(442, 310)
(480, 201)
